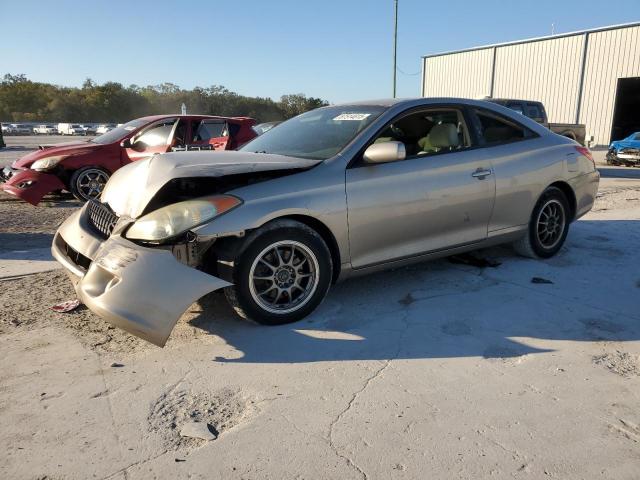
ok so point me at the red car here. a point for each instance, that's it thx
(83, 168)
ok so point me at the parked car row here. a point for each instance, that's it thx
(335, 192)
(82, 129)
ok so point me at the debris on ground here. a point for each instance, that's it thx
(117, 365)
(67, 306)
(622, 363)
(474, 261)
(218, 410)
(540, 280)
(200, 430)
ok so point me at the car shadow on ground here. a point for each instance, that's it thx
(443, 310)
(17, 148)
(22, 242)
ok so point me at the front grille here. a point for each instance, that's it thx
(102, 218)
(631, 151)
(77, 257)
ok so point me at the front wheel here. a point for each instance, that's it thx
(548, 226)
(281, 275)
(88, 182)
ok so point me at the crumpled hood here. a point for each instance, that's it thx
(68, 148)
(131, 187)
(619, 144)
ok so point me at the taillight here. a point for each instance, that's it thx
(587, 153)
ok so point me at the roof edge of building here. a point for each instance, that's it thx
(535, 39)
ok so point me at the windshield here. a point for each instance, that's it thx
(318, 134)
(120, 132)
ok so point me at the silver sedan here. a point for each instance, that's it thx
(334, 192)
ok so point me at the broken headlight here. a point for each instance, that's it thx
(172, 220)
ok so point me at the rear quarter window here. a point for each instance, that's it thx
(495, 129)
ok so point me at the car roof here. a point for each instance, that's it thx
(419, 101)
(153, 118)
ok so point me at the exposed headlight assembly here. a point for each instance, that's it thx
(172, 220)
(47, 163)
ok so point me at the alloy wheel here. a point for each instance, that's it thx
(284, 277)
(550, 224)
(91, 183)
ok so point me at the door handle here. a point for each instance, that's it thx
(481, 173)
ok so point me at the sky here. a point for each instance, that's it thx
(336, 50)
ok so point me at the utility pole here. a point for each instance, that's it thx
(395, 44)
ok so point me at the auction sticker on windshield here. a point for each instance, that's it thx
(351, 116)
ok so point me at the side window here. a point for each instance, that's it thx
(496, 129)
(205, 130)
(157, 134)
(516, 107)
(428, 132)
(534, 111)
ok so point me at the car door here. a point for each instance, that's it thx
(155, 138)
(440, 196)
(211, 132)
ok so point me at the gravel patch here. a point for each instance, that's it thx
(221, 410)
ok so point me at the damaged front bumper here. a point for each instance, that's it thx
(139, 289)
(29, 185)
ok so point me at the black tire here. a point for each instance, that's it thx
(533, 245)
(79, 176)
(243, 295)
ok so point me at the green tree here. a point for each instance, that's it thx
(24, 100)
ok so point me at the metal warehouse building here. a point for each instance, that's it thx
(590, 77)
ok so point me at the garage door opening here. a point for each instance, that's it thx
(626, 115)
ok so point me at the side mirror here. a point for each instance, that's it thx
(126, 143)
(385, 152)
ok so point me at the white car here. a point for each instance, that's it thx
(71, 129)
(88, 129)
(45, 130)
(104, 128)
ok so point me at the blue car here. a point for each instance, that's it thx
(625, 152)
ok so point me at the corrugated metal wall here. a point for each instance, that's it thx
(611, 54)
(546, 70)
(466, 74)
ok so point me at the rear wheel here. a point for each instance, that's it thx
(281, 275)
(548, 226)
(88, 182)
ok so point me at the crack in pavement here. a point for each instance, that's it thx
(139, 462)
(377, 374)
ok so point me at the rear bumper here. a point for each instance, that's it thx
(30, 185)
(141, 290)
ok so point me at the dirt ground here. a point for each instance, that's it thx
(438, 370)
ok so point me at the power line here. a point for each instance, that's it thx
(405, 73)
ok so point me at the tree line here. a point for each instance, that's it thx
(22, 100)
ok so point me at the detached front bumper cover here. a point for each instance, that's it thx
(141, 290)
(30, 185)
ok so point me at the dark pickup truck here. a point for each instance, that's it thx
(535, 111)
